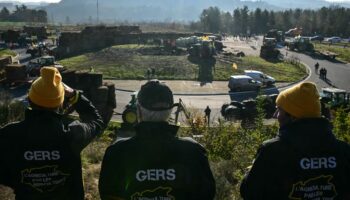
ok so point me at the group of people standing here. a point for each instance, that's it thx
(323, 71)
(40, 156)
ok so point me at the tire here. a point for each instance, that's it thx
(129, 116)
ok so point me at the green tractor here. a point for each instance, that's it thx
(301, 44)
(268, 49)
(203, 49)
(129, 114)
(335, 97)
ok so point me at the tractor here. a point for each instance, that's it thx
(335, 97)
(332, 99)
(34, 66)
(301, 44)
(268, 49)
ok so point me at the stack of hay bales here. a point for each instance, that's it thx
(40, 32)
(102, 94)
(15, 73)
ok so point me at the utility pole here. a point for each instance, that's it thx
(98, 17)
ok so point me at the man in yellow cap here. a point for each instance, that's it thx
(41, 154)
(305, 160)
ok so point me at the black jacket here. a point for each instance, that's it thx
(40, 156)
(305, 161)
(155, 164)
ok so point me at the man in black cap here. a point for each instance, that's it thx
(155, 164)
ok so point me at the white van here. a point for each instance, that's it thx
(243, 83)
(259, 76)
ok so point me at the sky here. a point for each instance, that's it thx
(55, 1)
(24, 1)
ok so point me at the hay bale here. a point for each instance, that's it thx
(83, 81)
(15, 72)
(69, 78)
(99, 96)
(223, 107)
(111, 99)
(5, 61)
(232, 112)
(95, 79)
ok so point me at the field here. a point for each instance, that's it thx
(343, 50)
(133, 61)
(6, 52)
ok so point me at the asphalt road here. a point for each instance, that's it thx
(338, 73)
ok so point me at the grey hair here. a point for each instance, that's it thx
(144, 114)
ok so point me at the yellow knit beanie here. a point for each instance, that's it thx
(300, 101)
(47, 91)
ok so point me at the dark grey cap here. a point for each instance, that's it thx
(155, 96)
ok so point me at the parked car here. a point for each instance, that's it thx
(333, 39)
(260, 76)
(239, 83)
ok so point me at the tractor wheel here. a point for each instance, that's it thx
(129, 116)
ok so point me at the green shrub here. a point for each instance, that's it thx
(10, 110)
(341, 125)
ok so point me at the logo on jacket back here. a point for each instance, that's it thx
(318, 163)
(156, 175)
(42, 155)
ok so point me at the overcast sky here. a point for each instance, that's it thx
(54, 1)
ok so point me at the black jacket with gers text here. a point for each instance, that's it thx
(155, 164)
(40, 156)
(305, 161)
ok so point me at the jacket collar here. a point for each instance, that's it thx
(34, 113)
(155, 130)
(307, 129)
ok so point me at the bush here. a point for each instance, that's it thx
(341, 125)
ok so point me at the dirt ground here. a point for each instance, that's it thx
(250, 46)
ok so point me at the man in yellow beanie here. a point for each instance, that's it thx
(41, 154)
(305, 160)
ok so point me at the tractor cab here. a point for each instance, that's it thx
(334, 97)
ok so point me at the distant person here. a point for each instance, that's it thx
(317, 65)
(207, 112)
(148, 74)
(40, 156)
(305, 160)
(155, 163)
(322, 72)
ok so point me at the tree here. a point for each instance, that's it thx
(226, 22)
(4, 14)
(211, 19)
(237, 22)
(244, 17)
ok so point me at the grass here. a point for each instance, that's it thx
(343, 51)
(133, 61)
(7, 52)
